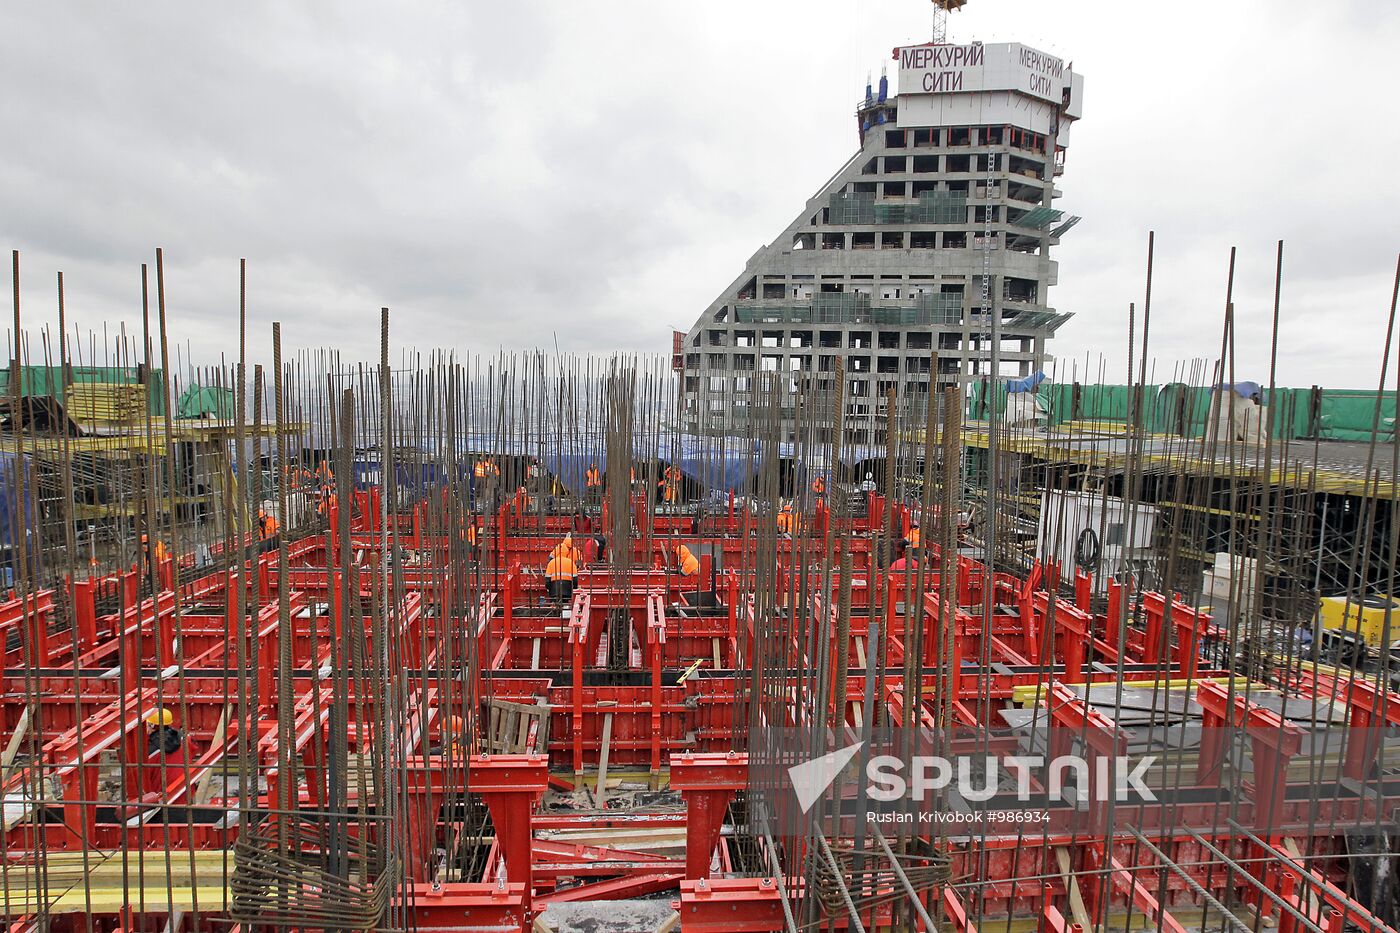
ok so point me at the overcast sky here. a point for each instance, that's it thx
(512, 174)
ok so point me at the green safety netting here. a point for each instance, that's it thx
(48, 381)
(1174, 408)
(205, 402)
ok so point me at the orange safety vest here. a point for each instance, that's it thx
(592, 478)
(162, 552)
(566, 549)
(687, 561)
(913, 536)
(786, 521)
(819, 485)
(560, 568)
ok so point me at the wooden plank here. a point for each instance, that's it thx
(7, 758)
(203, 788)
(600, 795)
(1314, 906)
(1076, 899)
(506, 738)
(541, 742)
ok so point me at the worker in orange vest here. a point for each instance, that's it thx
(914, 536)
(566, 548)
(486, 468)
(454, 737)
(593, 483)
(671, 485)
(473, 539)
(686, 562)
(819, 486)
(267, 524)
(560, 576)
(485, 474)
(787, 520)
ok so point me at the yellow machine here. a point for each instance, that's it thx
(1364, 618)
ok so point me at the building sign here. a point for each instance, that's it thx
(1002, 66)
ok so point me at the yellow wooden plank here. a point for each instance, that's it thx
(152, 896)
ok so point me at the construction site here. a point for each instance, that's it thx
(751, 634)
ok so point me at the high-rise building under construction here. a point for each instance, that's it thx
(933, 239)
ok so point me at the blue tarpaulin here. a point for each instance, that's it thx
(715, 463)
(11, 479)
(1244, 389)
(1028, 384)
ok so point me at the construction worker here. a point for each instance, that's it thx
(819, 486)
(474, 539)
(787, 520)
(671, 485)
(267, 524)
(566, 548)
(164, 745)
(686, 563)
(152, 555)
(486, 474)
(582, 523)
(561, 575)
(914, 535)
(454, 737)
(593, 483)
(591, 543)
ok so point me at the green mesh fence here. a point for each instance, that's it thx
(1325, 414)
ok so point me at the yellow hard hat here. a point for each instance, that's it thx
(160, 717)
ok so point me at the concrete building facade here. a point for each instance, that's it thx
(934, 234)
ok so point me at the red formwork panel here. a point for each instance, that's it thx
(675, 693)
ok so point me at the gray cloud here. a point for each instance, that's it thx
(502, 174)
